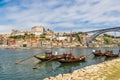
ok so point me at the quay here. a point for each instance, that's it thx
(108, 70)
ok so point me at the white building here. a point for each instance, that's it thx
(61, 38)
(37, 30)
(17, 33)
(20, 33)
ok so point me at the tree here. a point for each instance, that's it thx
(107, 41)
(42, 36)
(118, 44)
(79, 38)
(17, 37)
(32, 35)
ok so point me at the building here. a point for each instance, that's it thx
(15, 32)
(61, 38)
(18, 32)
(37, 30)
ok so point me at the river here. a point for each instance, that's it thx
(24, 71)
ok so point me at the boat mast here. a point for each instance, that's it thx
(115, 39)
(51, 42)
(71, 42)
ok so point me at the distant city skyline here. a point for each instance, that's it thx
(59, 15)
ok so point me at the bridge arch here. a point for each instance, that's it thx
(98, 32)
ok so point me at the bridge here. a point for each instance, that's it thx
(98, 32)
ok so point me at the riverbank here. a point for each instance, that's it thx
(38, 47)
(47, 47)
(108, 70)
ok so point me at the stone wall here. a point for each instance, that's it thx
(94, 72)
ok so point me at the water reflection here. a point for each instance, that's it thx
(54, 67)
(68, 67)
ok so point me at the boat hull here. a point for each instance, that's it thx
(53, 57)
(112, 55)
(98, 54)
(79, 59)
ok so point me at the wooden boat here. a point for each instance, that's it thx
(49, 56)
(42, 58)
(111, 54)
(53, 57)
(72, 59)
(98, 53)
(69, 57)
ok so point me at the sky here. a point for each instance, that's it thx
(59, 15)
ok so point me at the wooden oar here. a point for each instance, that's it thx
(18, 62)
(88, 55)
(38, 67)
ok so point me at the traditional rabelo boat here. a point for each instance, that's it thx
(111, 54)
(49, 56)
(70, 58)
(98, 53)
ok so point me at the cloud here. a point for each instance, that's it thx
(61, 15)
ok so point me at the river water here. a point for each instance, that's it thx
(24, 71)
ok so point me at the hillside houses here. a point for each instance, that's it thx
(38, 36)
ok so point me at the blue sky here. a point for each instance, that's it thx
(59, 15)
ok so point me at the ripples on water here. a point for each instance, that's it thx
(25, 71)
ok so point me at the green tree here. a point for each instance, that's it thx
(42, 36)
(79, 38)
(107, 35)
(107, 40)
(118, 44)
(32, 35)
(17, 37)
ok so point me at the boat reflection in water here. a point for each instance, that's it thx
(51, 65)
(55, 67)
(68, 67)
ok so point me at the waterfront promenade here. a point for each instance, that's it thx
(108, 70)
